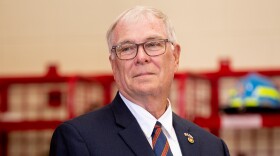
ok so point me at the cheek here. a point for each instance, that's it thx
(169, 67)
(120, 74)
(169, 63)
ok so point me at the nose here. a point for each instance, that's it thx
(142, 56)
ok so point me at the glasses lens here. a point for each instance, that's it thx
(126, 51)
(155, 47)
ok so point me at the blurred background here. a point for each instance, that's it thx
(54, 66)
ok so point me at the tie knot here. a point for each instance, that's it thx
(158, 124)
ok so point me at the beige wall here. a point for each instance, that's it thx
(71, 33)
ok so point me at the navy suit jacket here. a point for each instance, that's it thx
(113, 131)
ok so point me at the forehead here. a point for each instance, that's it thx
(139, 30)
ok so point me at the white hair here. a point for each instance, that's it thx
(141, 13)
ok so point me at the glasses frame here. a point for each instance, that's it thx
(113, 49)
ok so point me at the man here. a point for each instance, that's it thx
(144, 56)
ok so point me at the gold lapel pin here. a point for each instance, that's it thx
(190, 137)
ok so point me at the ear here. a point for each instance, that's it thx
(111, 59)
(113, 63)
(176, 54)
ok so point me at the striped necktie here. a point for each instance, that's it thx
(160, 143)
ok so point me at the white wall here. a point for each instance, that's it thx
(71, 33)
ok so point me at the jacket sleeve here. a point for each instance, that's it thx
(66, 141)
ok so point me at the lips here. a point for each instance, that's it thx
(143, 74)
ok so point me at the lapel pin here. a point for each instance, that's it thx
(190, 137)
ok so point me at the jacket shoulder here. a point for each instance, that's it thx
(208, 143)
(193, 127)
(93, 118)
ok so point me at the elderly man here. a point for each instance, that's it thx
(144, 56)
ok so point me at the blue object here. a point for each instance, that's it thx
(255, 90)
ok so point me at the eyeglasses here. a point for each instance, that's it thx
(127, 51)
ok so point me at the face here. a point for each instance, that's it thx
(144, 75)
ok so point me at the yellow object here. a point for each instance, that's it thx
(236, 103)
(250, 102)
(268, 92)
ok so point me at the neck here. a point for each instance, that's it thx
(155, 105)
(157, 110)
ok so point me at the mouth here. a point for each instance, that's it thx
(143, 74)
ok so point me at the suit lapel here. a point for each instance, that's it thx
(135, 138)
(181, 128)
(130, 131)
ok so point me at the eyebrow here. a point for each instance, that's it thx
(125, 41)
(153, 38)
(147, 39)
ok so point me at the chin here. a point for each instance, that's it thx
(147, 90)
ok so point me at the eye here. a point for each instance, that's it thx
(154, 45)
(126, 48)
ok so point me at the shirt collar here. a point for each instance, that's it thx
(147, 121)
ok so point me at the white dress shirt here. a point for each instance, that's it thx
(147, 122)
